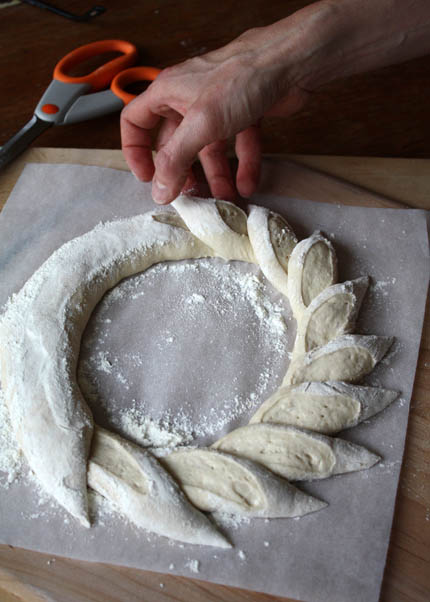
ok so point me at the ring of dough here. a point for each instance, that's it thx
(42, 325)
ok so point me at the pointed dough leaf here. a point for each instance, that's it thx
(216, 481)
(272, 240)
(311, 269)
(347, 358)
(219, 224)
(168, 217)
(331, 314)
(295, 454)
(136, 483)
(324, 407)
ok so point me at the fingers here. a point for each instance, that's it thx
(217, 170)
(248, 151)
(166, 131)
(191, 185)
(174, 160)
(136, 139)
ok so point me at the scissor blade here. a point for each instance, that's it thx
(18, 143)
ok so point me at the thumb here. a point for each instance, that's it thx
(173, 161)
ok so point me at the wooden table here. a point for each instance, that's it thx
(385, 113)
(28, 577)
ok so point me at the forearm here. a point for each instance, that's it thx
(266, 71)
(331, 39)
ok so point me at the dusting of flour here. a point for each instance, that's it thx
(218, 326)
(11, 461)
(227, 309)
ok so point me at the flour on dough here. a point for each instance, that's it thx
(136, 483)
(311, 269)
(273, 241)
(296, 454)
(40, 335)
(324, 407)
(347, 358)
(216, 481)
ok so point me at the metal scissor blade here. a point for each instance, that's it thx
(18, 143)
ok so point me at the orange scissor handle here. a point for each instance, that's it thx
(129, 76)
(102, 76)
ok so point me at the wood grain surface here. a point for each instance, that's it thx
(384, 113)
(31, 577)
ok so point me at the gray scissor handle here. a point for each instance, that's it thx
(74, 104)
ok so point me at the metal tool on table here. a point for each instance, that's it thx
(95, 11)
(69, 99)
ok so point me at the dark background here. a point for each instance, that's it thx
(383, 113)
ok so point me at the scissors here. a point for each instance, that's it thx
(70, 99)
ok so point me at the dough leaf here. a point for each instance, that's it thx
(272, 240)
(311, 269)
(233, 216)
(347, 358)
(216, 481)
(296, 454)
(136, 483)
(168, 217)
(219, 224)
(326, 407)
(331, 314)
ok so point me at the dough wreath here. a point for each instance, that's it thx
(40, 333)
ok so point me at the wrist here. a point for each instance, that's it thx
(337, 38)
(307, 47)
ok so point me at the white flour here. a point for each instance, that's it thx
(228, 298)
(230, 295)
(11, 461)
(193, 565)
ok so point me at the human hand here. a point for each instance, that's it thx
(266, 71)
(203, 102)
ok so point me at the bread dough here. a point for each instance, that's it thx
(219, 224)
(347, 358)
(273, 241)
(332, 313)
(311, 269)
(326, 407)
(216, 481)
(40, 334)
(296, 454)
(144, 492)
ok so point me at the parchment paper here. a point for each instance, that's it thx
(334, 555)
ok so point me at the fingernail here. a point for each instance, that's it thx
(160, 192)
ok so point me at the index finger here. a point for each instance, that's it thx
(137, 121)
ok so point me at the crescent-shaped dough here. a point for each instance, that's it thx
(324, 407)
(134, 480)
(216, 481)
(219, 224)
(329, 315)
(296, 454)
(273, 241)
(348, 358)
(311, 269)
(41, 332)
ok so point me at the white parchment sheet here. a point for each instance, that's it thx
(335, 555)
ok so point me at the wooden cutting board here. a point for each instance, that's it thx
(32, 577)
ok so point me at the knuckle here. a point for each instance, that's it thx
(206, 120)
(164, 160)
(213, 151)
